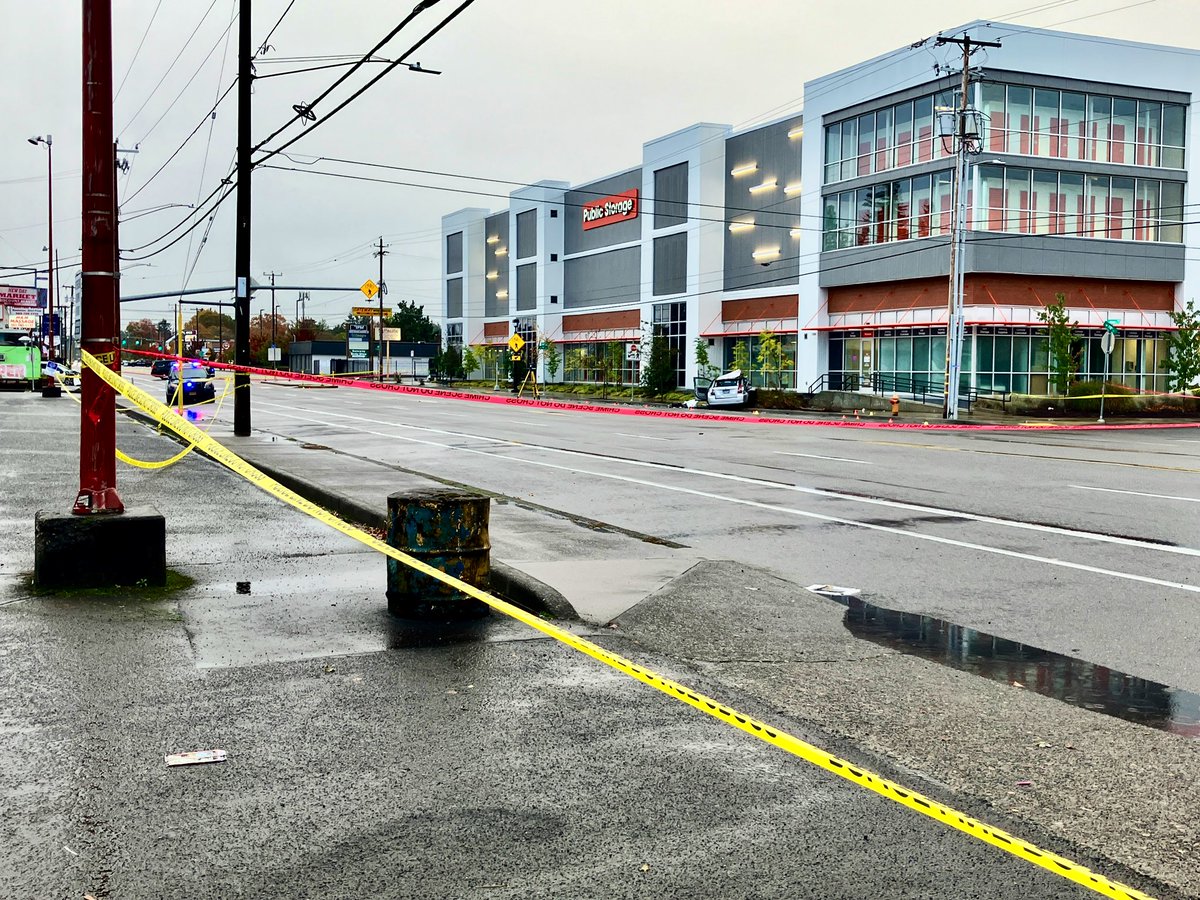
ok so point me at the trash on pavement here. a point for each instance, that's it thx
(195, 757)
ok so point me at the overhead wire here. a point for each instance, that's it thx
(145, 33)
(413, 13)
(262, 48)
(174, 60)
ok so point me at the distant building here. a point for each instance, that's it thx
(831, 228)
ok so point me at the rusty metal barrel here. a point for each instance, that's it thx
(444, 528)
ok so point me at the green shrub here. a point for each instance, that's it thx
(1082, 399)
(765, 399)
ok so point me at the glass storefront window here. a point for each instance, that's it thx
(1045, 122)
(1149, 133)
(1171, 212)
(1096, 205)
(1070, 202)
(1074, 127)
(1099, 116)
(903, 353)
(992, 106)
(923, 126)
(1044, 205)
(1145, 214)
(1120, 208)
(1016, 200)
(1019, 113)
(903, 134)
(1122, 131)
(1172, 135)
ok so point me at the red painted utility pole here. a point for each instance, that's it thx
(98, 415)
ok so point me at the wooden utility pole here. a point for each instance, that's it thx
(241, 312)
(98, 412)
(954, 306)
(381, 253)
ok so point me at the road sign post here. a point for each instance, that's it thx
(1107, 342)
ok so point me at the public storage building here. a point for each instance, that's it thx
(1079, 187)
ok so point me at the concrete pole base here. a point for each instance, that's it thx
(101, 550)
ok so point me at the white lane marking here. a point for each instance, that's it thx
(1084, 487)
(861, 462)
(772, 507)
(644, 437)
(799, 489)
(518, 422)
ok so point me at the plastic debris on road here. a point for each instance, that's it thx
(195, 757)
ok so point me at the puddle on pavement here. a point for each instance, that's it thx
(1064, 678)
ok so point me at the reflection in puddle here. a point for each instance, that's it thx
(1064, 678)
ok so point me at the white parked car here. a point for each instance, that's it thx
(68, 377)
(729, 389)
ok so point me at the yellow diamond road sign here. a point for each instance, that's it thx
(369, 288)
(515, 343)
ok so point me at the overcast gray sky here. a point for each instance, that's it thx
(532, 89)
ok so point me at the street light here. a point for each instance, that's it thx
(48, 140)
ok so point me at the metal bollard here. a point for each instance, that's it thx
(447, 529)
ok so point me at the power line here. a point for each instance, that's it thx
(263, 47)
(153, 15)
(162, 79)
(222, 37)
(304, 110)
(208, 117)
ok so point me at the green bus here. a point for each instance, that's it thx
(20, 360)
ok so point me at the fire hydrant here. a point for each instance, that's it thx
(895, 407)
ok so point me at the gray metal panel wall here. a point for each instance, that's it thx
(526, 284)
(670, 195)
(670, 264)
(495, 226)
(1078, 257)
(603, 279)
(527, 233)
(454, 252)
(1005, 253)
(575, 239)
(454, 298)
(774, 213)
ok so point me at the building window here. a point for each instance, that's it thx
(454, 334)
(1021, 120)
(1042, 201)
(785, 378)
(1009, 198)
(670, 321)
(454, 254)
(600, 362)
(527, 233)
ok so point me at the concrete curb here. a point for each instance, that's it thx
(512, 584)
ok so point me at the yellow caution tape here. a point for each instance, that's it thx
(775, 737)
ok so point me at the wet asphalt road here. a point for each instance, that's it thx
(499, 766)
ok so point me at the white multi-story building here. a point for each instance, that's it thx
(831, 229)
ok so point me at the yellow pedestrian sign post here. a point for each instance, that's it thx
(370, 288)
(515, 343)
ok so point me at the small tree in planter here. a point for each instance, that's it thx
(658, 374)
(1183, 349)
(770, 359)
(488, 357)
(552, 357)
(704, 365)
(741, 357)
(1064, 361)
(470, 362)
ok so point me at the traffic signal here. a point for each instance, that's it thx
(124, 342)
